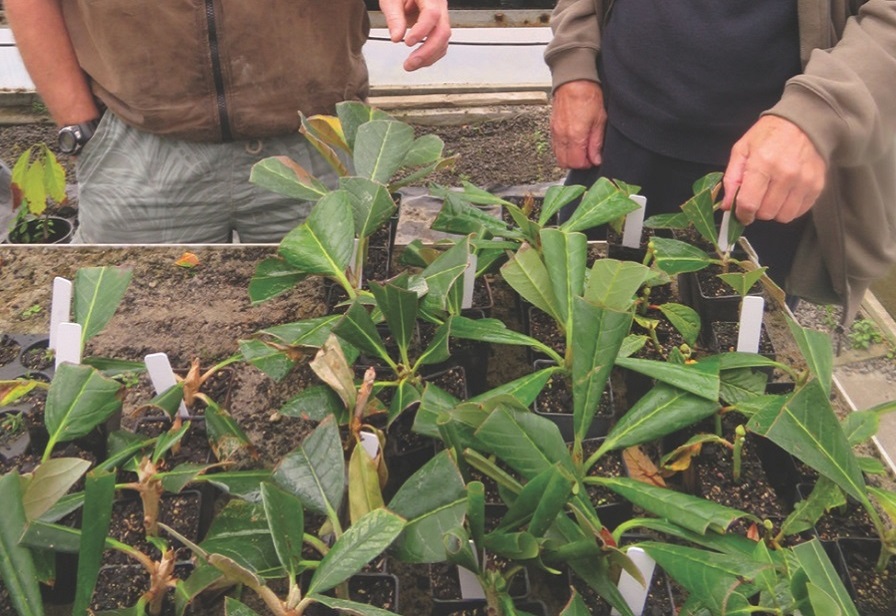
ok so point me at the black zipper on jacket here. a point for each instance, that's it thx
(221, 102)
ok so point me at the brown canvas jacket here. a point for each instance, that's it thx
(844, 101)
(216, 70)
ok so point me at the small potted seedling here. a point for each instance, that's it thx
(37, 181)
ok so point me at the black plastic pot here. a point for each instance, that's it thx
(130, 581)
(722, 330)
(874, 592)
(712, 308)
(13, 442)
(16, 366)
(603, 419)
(50, 230)
(446, 596)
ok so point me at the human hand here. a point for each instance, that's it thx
(428, 22)
(578, 121)
(775, 171)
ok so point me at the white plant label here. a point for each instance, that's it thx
(751, 311)
(60, 308)
(631, 589)
(723, 231)
(634, 223)
(470, 588)
(68, 343)
(162, 376)
(469, 282)
(370, 443)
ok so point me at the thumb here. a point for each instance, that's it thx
(393, 12)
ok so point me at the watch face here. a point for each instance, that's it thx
(68, 141)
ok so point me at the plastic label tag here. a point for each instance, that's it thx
(631, 589)
(60, 308)
(634, 223)
(162, 376)
(750, 328)
(68, 343)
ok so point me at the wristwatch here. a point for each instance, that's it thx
(75, 136)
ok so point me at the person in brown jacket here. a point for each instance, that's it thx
(793, 100)
(168, 104)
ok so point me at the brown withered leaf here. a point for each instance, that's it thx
(641, 467)
(192, 383)
(188, 260)
(332, 368)
(753, 532)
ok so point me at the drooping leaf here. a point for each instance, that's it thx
(817, 350)
(272, 277)
(79, 399)
(495, 331)
(684, 319)
(49, 482)
(443, 274)
(16, 564)
(364, 491)
(315, 472)
(807, 427)
(352, 608)
(742, 386)
(97, 291)
(362, 542)
(332, 368)
(458, 216)
(575, 606)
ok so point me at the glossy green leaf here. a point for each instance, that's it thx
(358, 329)
(602, 203)
(286, 520)
(443, 274)
(677, 220)
(825, 495)
(742, 385)
(524, 389)
(807, 427)
(458, 216)
(362, 542)
(272, 277)
(273, 361)
(700, 379)
(540, 501)
(527, 274)
(438, 350)
(50, 481)
(315, 403)
(677, 257)
(821, 573)
(352, 608)
(526, 442)
(353, 114)
(555, 197)
(371, 203)
(180, 476)
(684, 319)
(100, 491)
(240, 532)
(565, 256)
(380, 147)
(700, 212)
(614, 284)
(307, 332)
(734, 360)
(495, 331)
(817, 350)
(79, 399)
(425, 150)
(284, 176)
(16, 565)
(742, 282)
(97, 291)
(661, 411)
(433, 402)
(599, 333)
(433, 501)
(225, 436)
(242, 484)
(405, 395)
(323, 244)
(399, 306)
(315, 472)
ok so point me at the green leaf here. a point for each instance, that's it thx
(565, 257)
(272, 277)
(399, 306)
(661, 411)
(353, 608)
(433, 501)
(742, 282)
(225, 436)
(678, 220)
(425, 150)
(16, 563)
(380, 147)
(600, 204)
(371, 203)
(354, 114)
(613, 284)
(100, 491)
(315, 403)
(49, 482)
(700, 378)
(459, 217)
(240, 532)
(524, 389)
(821, 574)
(886, 499)
(232, 607)
(315, 472)
(495, 331)
(243, 484)
(540, 501)
(817, 350)
(362, 542)
(825, 495)
(358, 329)
(599, 333)
(677, 257)
(274, 362)
(575, 606)
(406, 394)
(700, 212)
(443, 274)
(97, 292)
(684, 319)
(79, 399)
(807, 427)
(284, 176)
(527, 274)
(286, 520)
(555, 197)
(364, 491)
(323, 244)
(179, 477)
